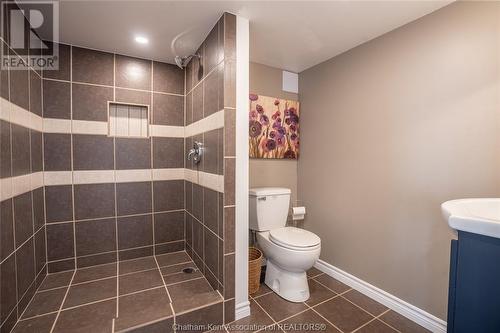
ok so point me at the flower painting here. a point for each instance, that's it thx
(273, 127)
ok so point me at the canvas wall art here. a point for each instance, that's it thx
(274, 127)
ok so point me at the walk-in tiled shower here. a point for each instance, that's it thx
(101, 212)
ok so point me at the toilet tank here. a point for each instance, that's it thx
(268, 207)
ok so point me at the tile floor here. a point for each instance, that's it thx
(121, 297)
(332, 304)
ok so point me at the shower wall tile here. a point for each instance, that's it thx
(229, 229)
(36, 151)
(56, 99)
(40, 253)
(210, 209)
(135, 231)
(229, 180)
(211, 58)
(63, 73)
(92, 66)
(132, 72)
(98, 78)
(168, 109)
(6, 229)
(91, 102)
(19, 88)
(94, 201)
(211, 93)
(198, 202)
(133, 153)
(229, 132)
(132, 96)
(95, 236)
(25, 266)
(8, 300)
(168, 153)
(168, 78)
(169, 226)
(133, 198)
(60, 241)
(229, 84)
(166, 195)
(198, 103)
(211, 152)
(229, 36)
(92, 152)
(38, 208)
(35, 93)
(5, 156)
(59, 203)
(23, 218)
(57, 152)
(21, 156)
(189, 109)
(188, 195)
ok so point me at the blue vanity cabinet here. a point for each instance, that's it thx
(474, 289)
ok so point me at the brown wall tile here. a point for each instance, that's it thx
(210, 209)
(95, 236)
(6, 229)
(229, 276)
(92, 66)
(63, 73)
(133, 198)
(38, 208)
(169, 226)
(23, 217)
(92, 152)
(94, 201)
(5, 157)
(62, 265)
(135, 231)
(59, 203)
(60, 241)
(189, 109)
(25, 267)
(168, 78)
(210, 153)
(36, 151)
(19, 82)
(132, 96)
(20, 150)
(56, 99)
(132, 72)
(35, 93)
(211, 93)
(229, 180)
(57, 152)
(168, 110)
(168, 152)
(133, 153)
(198, 103)
(40, 252)
(91, 102)
(229, 229)
(166, 195)
(7, 283)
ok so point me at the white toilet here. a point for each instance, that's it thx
(290, 251)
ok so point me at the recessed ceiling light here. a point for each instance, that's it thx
(141, 40)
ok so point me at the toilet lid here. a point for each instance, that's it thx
(294, 237)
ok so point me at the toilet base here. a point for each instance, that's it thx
(291, 286)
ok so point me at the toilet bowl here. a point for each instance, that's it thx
(289, 251)
(288, 260)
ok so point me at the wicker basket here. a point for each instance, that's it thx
(254, 266)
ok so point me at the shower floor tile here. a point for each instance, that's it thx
(144, 293)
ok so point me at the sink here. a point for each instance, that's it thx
(479, 216)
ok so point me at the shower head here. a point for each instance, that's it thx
(183, 61)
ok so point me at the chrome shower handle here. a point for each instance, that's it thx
(196, 152)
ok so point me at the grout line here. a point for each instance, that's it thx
(113, 86)
(116, 204)
(166, 289)
(62, 303)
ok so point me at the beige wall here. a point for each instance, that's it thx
(265, 80)
(390, 130)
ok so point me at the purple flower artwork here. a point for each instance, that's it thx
(273, 127)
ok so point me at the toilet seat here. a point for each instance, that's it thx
(295, 239)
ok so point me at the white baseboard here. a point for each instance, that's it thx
(242, 310)
(411, 312)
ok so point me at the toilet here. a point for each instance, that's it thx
(289, 251)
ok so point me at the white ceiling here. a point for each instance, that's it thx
(292, 35)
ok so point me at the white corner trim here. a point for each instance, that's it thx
(406, 309)
(242, 310)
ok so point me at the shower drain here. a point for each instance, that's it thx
(188, 270)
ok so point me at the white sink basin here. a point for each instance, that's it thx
(479, 216)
